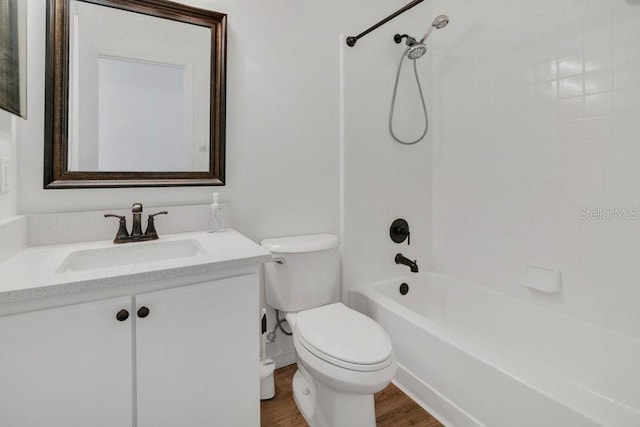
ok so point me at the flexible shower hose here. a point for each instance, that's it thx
(393, 103)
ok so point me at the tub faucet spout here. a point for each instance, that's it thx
(401, 259)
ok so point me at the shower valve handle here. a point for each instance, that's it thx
(399, 231)
(405, 232)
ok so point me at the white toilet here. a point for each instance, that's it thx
(344, 357)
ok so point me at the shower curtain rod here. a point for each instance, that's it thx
(351, 40)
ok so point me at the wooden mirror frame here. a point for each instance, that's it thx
(56, 174)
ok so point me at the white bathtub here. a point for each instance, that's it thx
(473, 357)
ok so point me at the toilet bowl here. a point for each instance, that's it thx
(343, 356)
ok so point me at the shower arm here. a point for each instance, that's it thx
(351, 40)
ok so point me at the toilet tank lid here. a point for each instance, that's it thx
(299, 244)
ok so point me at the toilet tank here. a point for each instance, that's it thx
(308, 276)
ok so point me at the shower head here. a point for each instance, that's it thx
(416, 48)
(439, 23)
(415, 52)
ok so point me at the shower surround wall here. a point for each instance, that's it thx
(381, 179)
(537, 159)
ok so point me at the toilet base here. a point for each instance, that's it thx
(323, 407)
(304, 396)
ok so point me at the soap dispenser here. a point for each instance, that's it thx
(216, 222)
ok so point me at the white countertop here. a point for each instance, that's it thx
(32, 272)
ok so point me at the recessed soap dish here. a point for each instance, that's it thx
(542, 279)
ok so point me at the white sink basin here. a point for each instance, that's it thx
(130, 253)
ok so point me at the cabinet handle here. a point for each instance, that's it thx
(122, 315)
(143, 312)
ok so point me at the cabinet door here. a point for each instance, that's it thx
(197, 355)
(68, 366)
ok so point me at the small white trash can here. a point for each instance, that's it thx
(267, 384)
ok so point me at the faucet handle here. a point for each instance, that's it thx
(122, 232)
(408, 234)
(115, 216)
(158, 213)
(151, 228)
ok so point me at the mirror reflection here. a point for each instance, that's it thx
(13, 56)
(139, 92)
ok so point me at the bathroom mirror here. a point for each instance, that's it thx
(135, 94)
(13, 56)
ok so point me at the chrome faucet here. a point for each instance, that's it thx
(123, 236)
(413, 265)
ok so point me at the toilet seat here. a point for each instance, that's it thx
(343, 337)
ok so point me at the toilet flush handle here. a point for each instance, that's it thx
(279, 260)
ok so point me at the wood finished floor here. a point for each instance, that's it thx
(393, 407)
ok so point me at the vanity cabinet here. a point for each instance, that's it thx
(184, 356)
(67, 366)
(197, 355)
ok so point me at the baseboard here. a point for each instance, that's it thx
(432, 401)
(285, 358)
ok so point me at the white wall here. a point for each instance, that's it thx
(382, 179)
(8, 202)
(539, 105)
(157, 140)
